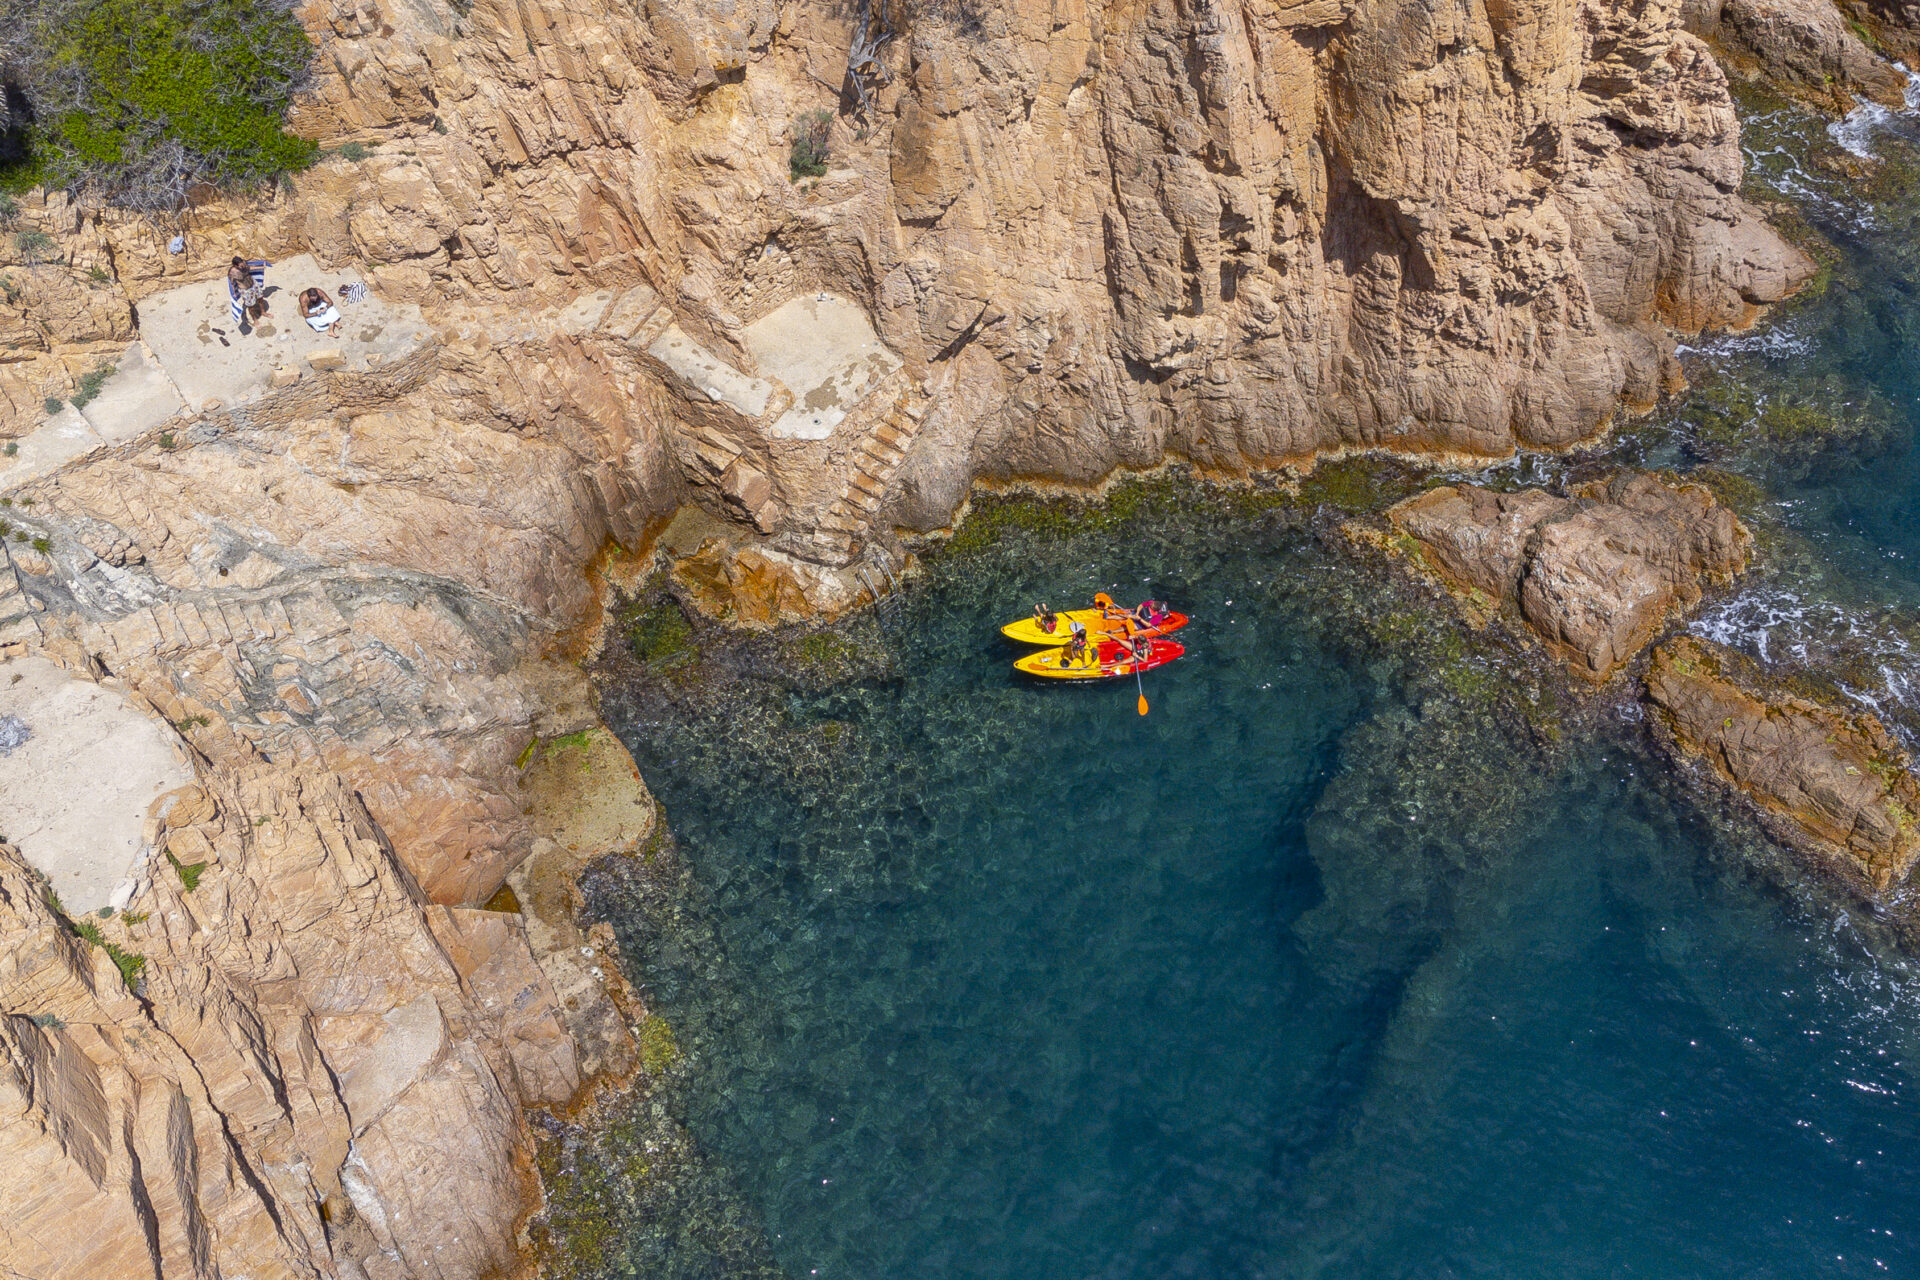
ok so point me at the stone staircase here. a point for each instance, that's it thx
(876, 459)
(710, 452)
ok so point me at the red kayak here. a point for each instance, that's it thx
(1108, 660)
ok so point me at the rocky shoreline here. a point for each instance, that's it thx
(353, 589)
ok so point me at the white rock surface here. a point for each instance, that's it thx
(74, 796)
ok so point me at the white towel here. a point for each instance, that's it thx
(320, 322)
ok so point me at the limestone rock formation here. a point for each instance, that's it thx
(1107, 232)
(1593, 575)
(1831, 779)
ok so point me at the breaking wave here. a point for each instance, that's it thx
(1856, 131)
(1784, 629)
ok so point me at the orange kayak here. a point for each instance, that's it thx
(1104, 661)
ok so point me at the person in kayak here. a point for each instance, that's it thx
(1136, 649)
(1046, 617)
(1146, 617)
(1077, 645)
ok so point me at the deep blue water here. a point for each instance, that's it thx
(1018, 984)
(1324, 968)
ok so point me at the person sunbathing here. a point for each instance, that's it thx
(317, 309)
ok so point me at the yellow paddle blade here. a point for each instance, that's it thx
(1143, 704)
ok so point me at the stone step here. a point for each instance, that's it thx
(866, 483)
(714, 459)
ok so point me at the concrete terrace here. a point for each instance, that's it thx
(191, 332)
(825, 350)
(192, 357)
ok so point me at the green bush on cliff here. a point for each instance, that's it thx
(138, 101)
(811, 150)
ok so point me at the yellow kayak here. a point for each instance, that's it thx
(1102, 662)
(1027, 630)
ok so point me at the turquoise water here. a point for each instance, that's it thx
(1363, 954)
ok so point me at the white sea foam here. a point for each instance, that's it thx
(1779, 167)
(1777, 625)
(1857, 130)
(1774, 344)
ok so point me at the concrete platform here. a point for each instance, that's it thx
(138, 397)
(723, 384)
(191, 331)
(825, 350)
(74, 794)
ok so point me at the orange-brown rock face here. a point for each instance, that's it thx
(1072, 237)
(1830, 779)
(1594, 575)
(276, 1103)
(1241, 233)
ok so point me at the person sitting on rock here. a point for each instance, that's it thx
(318, 311)
(1046, 617)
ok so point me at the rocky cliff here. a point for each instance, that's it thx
(1049, 242)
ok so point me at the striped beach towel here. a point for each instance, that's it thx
(259, 269)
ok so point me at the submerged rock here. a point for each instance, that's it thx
(1831, 780)
(1595, 575)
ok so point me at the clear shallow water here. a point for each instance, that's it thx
(1327, 967)
(1311, 972)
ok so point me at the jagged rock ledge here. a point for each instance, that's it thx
(1827, 779)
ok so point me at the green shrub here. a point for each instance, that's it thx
(13, 448)
(34, 246)
(89, 385)
(810, 153)
(137, 101)
(9, 210)
(130, 964)
(43, 545)
(190, 873)
(53, 405)
(352, 152)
